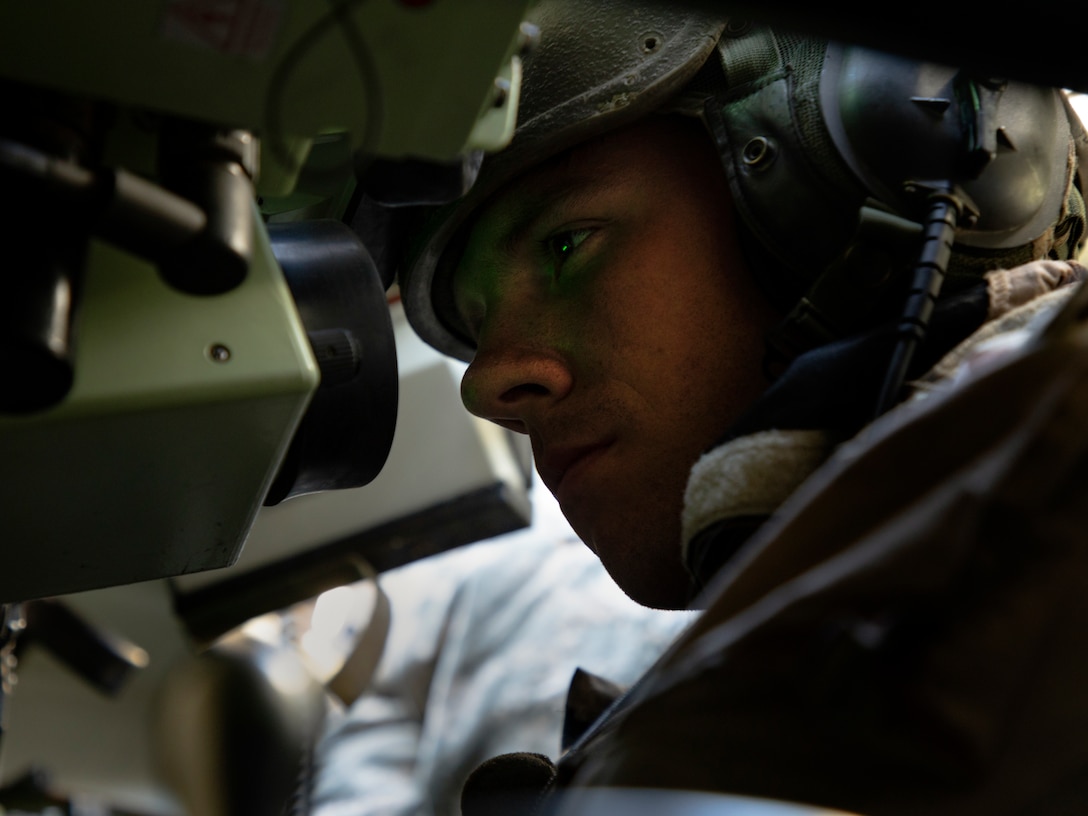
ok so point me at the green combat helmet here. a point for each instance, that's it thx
(839, 159)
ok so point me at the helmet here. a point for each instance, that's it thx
(830, 151)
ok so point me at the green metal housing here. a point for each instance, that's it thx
(127, 479)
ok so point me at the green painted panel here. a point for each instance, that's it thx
(406, 79)
(157, 461)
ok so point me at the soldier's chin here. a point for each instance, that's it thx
(658, 583)
(638, 541)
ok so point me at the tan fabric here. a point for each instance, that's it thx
(1010, 288)
(750, 476)
(1019, 298)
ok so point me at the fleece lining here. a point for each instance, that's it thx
(750, 476)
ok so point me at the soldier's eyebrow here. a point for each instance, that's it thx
(565, 191)
(563, 180)
(563, 194)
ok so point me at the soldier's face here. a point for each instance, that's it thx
(618, 327)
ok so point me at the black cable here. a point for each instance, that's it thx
(938, 235)
(338, 16)
(368, 73)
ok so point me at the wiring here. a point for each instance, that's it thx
(338, 17)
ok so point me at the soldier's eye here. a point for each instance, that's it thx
(562, 245)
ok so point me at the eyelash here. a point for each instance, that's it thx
(562, 245)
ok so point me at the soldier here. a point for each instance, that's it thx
(711, 256)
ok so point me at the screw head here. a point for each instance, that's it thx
(218, 353)
(501, 92)
(528, 39)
